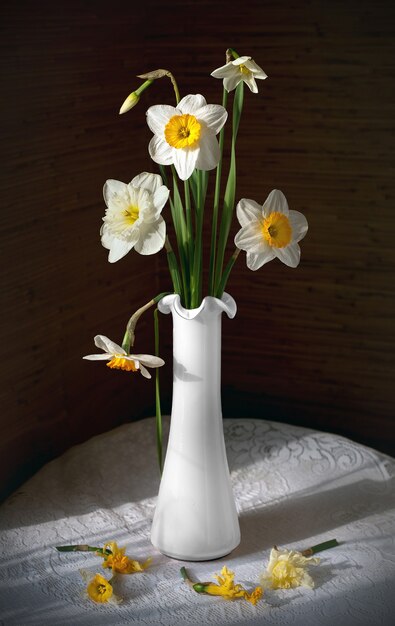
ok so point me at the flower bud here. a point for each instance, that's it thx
(129, 103)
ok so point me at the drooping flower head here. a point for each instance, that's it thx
(118, 358)
(133, 218)
(287, 569)
(99, 589)
(119, 562)
(185, 136)
(270, 231)
(241, 69)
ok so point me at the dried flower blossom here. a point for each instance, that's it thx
(119, 562)
(226, 588)
(99, 589)
(287, 569)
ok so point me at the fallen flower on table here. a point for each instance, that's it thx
(225, 587)
(287, 568)
(99, 589)
(116, 559)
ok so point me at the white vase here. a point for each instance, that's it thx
(195, 517)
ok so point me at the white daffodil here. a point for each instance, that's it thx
(270, 231)
(133, 218)
(186, 136)
(119, 359)
(243, 68)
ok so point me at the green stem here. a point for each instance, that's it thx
(128, 339)
(159, 430)
(83, 548)
(226, 273)
(185, 577)
(230, 190)
(188, 212)
(173, 267)
(326, 545)
(198, 261)
(216, 203)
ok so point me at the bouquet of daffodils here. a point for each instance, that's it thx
(188, 143)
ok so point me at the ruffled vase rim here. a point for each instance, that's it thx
(226, 304)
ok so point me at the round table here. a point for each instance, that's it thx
(294, 488)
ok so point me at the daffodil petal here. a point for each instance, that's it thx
(247, 211)
(185, 161)
(97, 357)
(249, 237)
(160, 151)
(145, 180)
(241, 60)
(148, 359)
(209, 153)
(255, 261)
(152, 237)
(158, 116)
(251, 82)
(299, 225)
(144, 372)
(161, 196)
(120, 247)
(290, 255)
(214, 115)
(231, 82)
(223, 71)
(191, 103)
(275, 202)
(257, 71)
(104, 343)
(114, 188)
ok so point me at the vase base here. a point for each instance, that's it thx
(212, 556)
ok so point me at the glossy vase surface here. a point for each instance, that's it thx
(195, 517)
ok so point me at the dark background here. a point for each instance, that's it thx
(312, 346)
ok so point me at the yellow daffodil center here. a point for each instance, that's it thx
(120, 363)
(131, 215)
(244, 70)
(285, 575)
(99, 589)
(182, 131)
(277, 230)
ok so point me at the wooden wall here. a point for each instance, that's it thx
(310, 346)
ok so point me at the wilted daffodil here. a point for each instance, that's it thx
(186, 135)
(270, 231)
(119, 562)
(225, 587)
(118, 358)
(99, 589)
(241, 69)
(287, 569)
(133, 218)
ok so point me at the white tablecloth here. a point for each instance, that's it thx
(294, 488)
